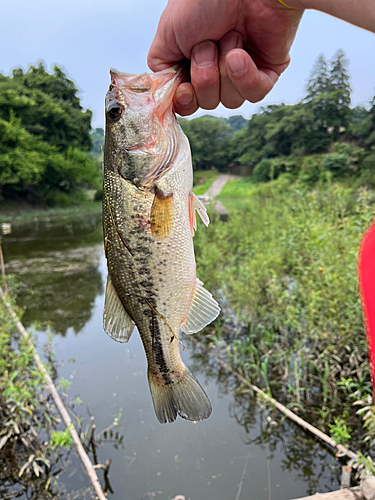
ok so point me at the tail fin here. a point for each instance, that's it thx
(184, 397)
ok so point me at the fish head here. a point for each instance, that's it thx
(141, 128)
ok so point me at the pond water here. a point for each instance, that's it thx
(235, 454)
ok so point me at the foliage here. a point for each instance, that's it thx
(236, 122)
(264, 171)
(26, 415)
(209, 141)
(47, 105)
(328, 92)
(337, 163)
(318, 82)
(279, 130)
(286, 263)
(364, 465)
(294, 137)
(339, 431)
(44, 137)
(61, 439)
(32, 450)
(310, 172)
(97, 139)
(367, 172)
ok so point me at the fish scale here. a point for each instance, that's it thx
(148, 221)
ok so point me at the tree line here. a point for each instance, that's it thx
(320, 135)
(50, 154)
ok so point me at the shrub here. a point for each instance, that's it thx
(337, 163)
(264, 171)
(367, 172)
(310, 170)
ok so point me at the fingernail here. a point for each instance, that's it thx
(204, 53)
(236, 63)
(184, 98)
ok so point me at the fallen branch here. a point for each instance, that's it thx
(341, 450)
(59, 405)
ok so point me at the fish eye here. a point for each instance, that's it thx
(140, 84)
(115, 110)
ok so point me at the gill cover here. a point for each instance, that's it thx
(141, 124)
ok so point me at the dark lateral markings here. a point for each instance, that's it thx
(157, 348)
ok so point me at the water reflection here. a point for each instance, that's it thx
(57, 268)
(302, 454)
(33, 238)
(309, 459)
(62, 268)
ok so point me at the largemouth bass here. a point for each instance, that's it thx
(149, 221)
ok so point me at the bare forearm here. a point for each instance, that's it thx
(358, 12)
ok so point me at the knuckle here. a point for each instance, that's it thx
(233, 103)
(209, 105)
(207, 81)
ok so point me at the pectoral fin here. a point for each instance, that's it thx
(161, 215)
(196, 204)
(203, 310)
(116, 321)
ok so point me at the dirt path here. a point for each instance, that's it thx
(215, 189)
(218, 184)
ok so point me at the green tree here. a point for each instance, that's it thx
(318, 79)
(339, 92)
(279, 130)
(47, 105)
(44, 137)
(97, 139)
(328, 93)
(209, 141)
(236, 122)
(264, 171)
(370, 131)
(337, 163)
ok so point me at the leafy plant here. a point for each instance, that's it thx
(339, 431)
(62, 438)
(285, 262)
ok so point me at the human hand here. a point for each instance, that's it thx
(237, 48)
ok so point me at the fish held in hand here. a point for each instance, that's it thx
(149, 221)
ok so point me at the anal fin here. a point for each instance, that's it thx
(203, 310)
(116, 321)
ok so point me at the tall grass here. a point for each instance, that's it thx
(286, 262)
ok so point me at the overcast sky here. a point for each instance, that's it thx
(87, 37)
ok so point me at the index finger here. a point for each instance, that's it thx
(164, 51)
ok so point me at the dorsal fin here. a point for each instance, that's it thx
(116, 321)
(203, 310)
